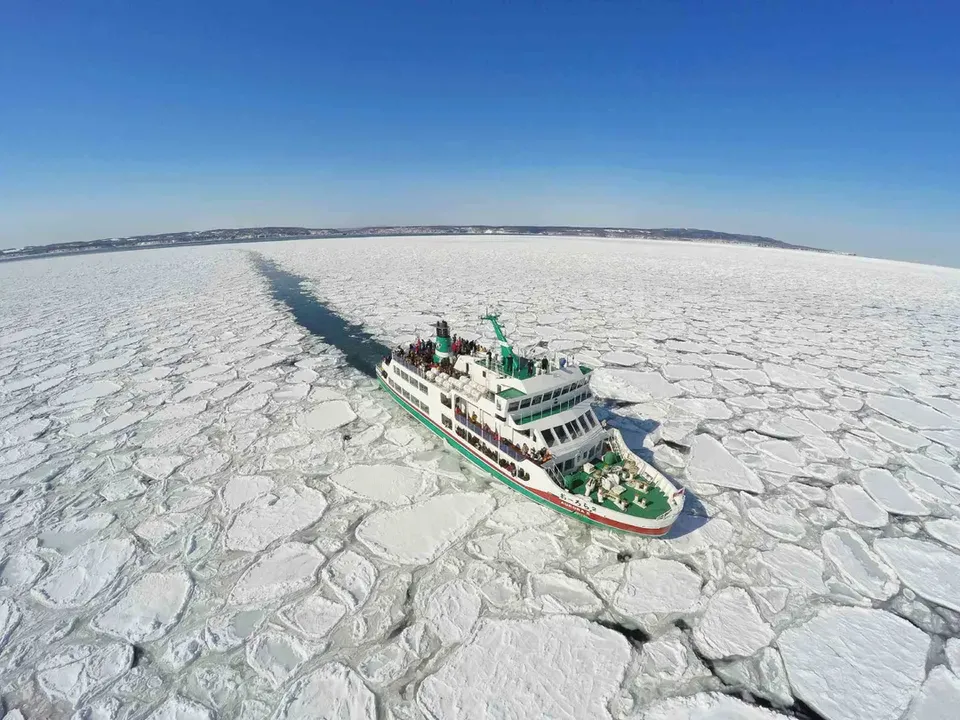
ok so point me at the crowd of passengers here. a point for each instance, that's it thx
(540, 455)
(420, 353)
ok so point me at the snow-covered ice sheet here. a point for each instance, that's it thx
(206, 512)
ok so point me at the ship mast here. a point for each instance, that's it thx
(506, 352)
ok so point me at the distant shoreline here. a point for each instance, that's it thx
(271, 234)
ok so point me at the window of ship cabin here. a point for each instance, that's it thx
(447, 423)
(556, 393)
(583, 422)
(568, 465)
(536, 400)
(561, 433)
(590, 418)
(525, 403)
(514, 406)
(445, 399)
(574, 429)
(548, 437)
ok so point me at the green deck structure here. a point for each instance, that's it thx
(511, 393)
(657, 502)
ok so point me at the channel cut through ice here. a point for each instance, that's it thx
(206, 512)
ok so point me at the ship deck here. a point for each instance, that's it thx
(657, 502)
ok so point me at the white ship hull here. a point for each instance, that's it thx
(425, 395)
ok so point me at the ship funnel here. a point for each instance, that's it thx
(443, 341)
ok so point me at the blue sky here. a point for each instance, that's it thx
(826, 123)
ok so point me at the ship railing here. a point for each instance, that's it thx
(494, 439)
(410, 366)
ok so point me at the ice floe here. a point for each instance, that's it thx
(79, 671)
(931, 571)
(334, 689)
(148, 608)
(731, 626)
(84, 573)
(416, 534)
(273, 517)
(503, 655)
(857, 565)
(889, 494)
(391, 484)
(287, 569)
(853, 501)
(711, 463)
(855, 664)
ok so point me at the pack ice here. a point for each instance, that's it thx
(206, 511)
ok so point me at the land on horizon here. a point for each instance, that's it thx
(260, 234)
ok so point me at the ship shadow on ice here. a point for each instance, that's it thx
(360, 349)
(635, 432)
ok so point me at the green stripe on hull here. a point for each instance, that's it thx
(430, 425)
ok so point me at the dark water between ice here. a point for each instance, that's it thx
(362, 350)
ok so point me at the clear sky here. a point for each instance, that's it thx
(834, 123)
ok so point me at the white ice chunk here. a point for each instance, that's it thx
(793, 378)
(272, 518)
(939, 698)
(75, 531)
(889, 493)
(656, 586)
(896, 434)
(241, 489)
(327, 416)
(149, 607)
(620, 357)
(731, 626)
(707, 706)
(313, 617)
(19, 572)
(946, 531)
(910, 412)
(159, 467)
(79, 671)
(557, 592)
(930, 570)
(534, 550)
(352, 576)
(393, 484)
(853, 501)
(332, 692)
(684, 372)
(711, 463)
(9, 619)
(517, 669)
(860, 381)
(90, 391)
(452, 609)
(935, 469)
(417, 534)
(177, 707)
(795, 567)
(287, 569)
(631, 385)
(859, 566)
(276, 656)
(855, 664)
(84, 573)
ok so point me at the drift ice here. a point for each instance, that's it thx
(530, 424)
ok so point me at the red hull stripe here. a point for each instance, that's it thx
(549, 497)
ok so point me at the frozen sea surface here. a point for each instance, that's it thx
(207, 511)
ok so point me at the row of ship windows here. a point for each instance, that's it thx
(413, 381)
(571, 430)
(408, 397)
(536, 399)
